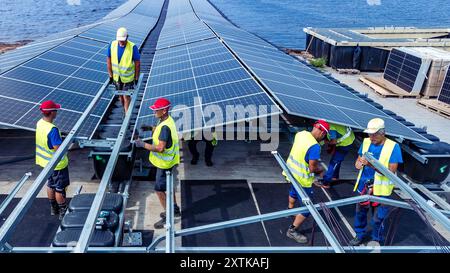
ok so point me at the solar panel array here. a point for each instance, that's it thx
(299, 89)
(444, 94)
(72, 73)
(402, 69)
(191, 63)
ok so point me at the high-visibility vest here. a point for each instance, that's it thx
(171, 156)
(296, 161)
(43, 153)
(347, 135)
(382, 186)
(125, 68)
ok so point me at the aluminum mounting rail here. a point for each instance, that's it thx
(23, 206)
(308, 203)
(14, 191)
(435, 213)
(170, 223)
(89, 225)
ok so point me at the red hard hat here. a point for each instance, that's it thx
(49, 105)
(160, 103)
(322, 125)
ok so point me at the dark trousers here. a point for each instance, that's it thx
(192, 144)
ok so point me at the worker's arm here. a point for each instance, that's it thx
(152, 148)
(137, 68)
(315, 167)
(108, 65)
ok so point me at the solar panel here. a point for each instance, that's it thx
(299, 89)
(203, 77)
(402, 69)
(444, 94)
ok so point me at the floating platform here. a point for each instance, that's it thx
(339, 45)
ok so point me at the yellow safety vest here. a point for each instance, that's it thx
(382, 186)
(171, 156)
(43, 153)
(296, 161)
(125, 69)
(347, 135)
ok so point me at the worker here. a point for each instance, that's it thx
(371, 181)
(303, 163)
(164, 153)
(123, 63)
(209, 149)
(48, 140)
(340, 140)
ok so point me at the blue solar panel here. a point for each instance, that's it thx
(23, 91)
(92, 75)
(444, 94)
(81, 86)
(62, 58)
(70, 101)
(402, 69)
(35, 76)
(50, 66)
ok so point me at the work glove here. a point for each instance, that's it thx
(139, 143)
(111, 80)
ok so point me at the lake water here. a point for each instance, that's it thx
(282, 21)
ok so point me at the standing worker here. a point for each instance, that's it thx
(303, 163)
(164, 153)
(340, 142)
(123, 62)
(209, 149)
(371, 181)
(48, 140)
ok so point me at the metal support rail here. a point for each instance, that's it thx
(170, 224)
(435, 213)
(125, 196)
(14, 191)
(89, 226)
(18, 213)
(307, 201)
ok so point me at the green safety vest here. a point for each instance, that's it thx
(43, 153)
(171, 156)
(382, 186)
(296, 161)
(347, 135)
(125, 69)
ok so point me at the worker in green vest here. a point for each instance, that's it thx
(48, 140)
(164, 153)
(340, 140)
(303, 162)
(123, 63)
(371, 181)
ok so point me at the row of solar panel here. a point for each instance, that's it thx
(301, 90)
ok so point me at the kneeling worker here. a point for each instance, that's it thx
(48, 140)
(303, 163)
(164, 153)
(372, 182)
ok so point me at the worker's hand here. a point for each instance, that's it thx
(364, 161)
(146, 128)
(111, 80)
(139, 143)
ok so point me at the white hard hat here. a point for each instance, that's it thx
(122, 34)
(374, 126)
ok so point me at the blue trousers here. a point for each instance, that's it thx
(335, 164)
(378, 215)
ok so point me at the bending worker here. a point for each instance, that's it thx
(48, 140)
(340, 142)
(123, 62)
(372, 182)
(164, 153)
(303, 163)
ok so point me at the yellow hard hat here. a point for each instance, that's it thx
(374, 125)
(122, 34)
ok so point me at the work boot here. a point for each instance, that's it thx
(62, 210)
(296, 235)
(209, 163)
(54, 208)
(160, 224)
(355, 241)
(176, 210)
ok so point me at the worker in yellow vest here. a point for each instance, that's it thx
(303, 163)
(123, 63)
(372, 182)
(48, 140)
(164, 153)
(340, 140)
